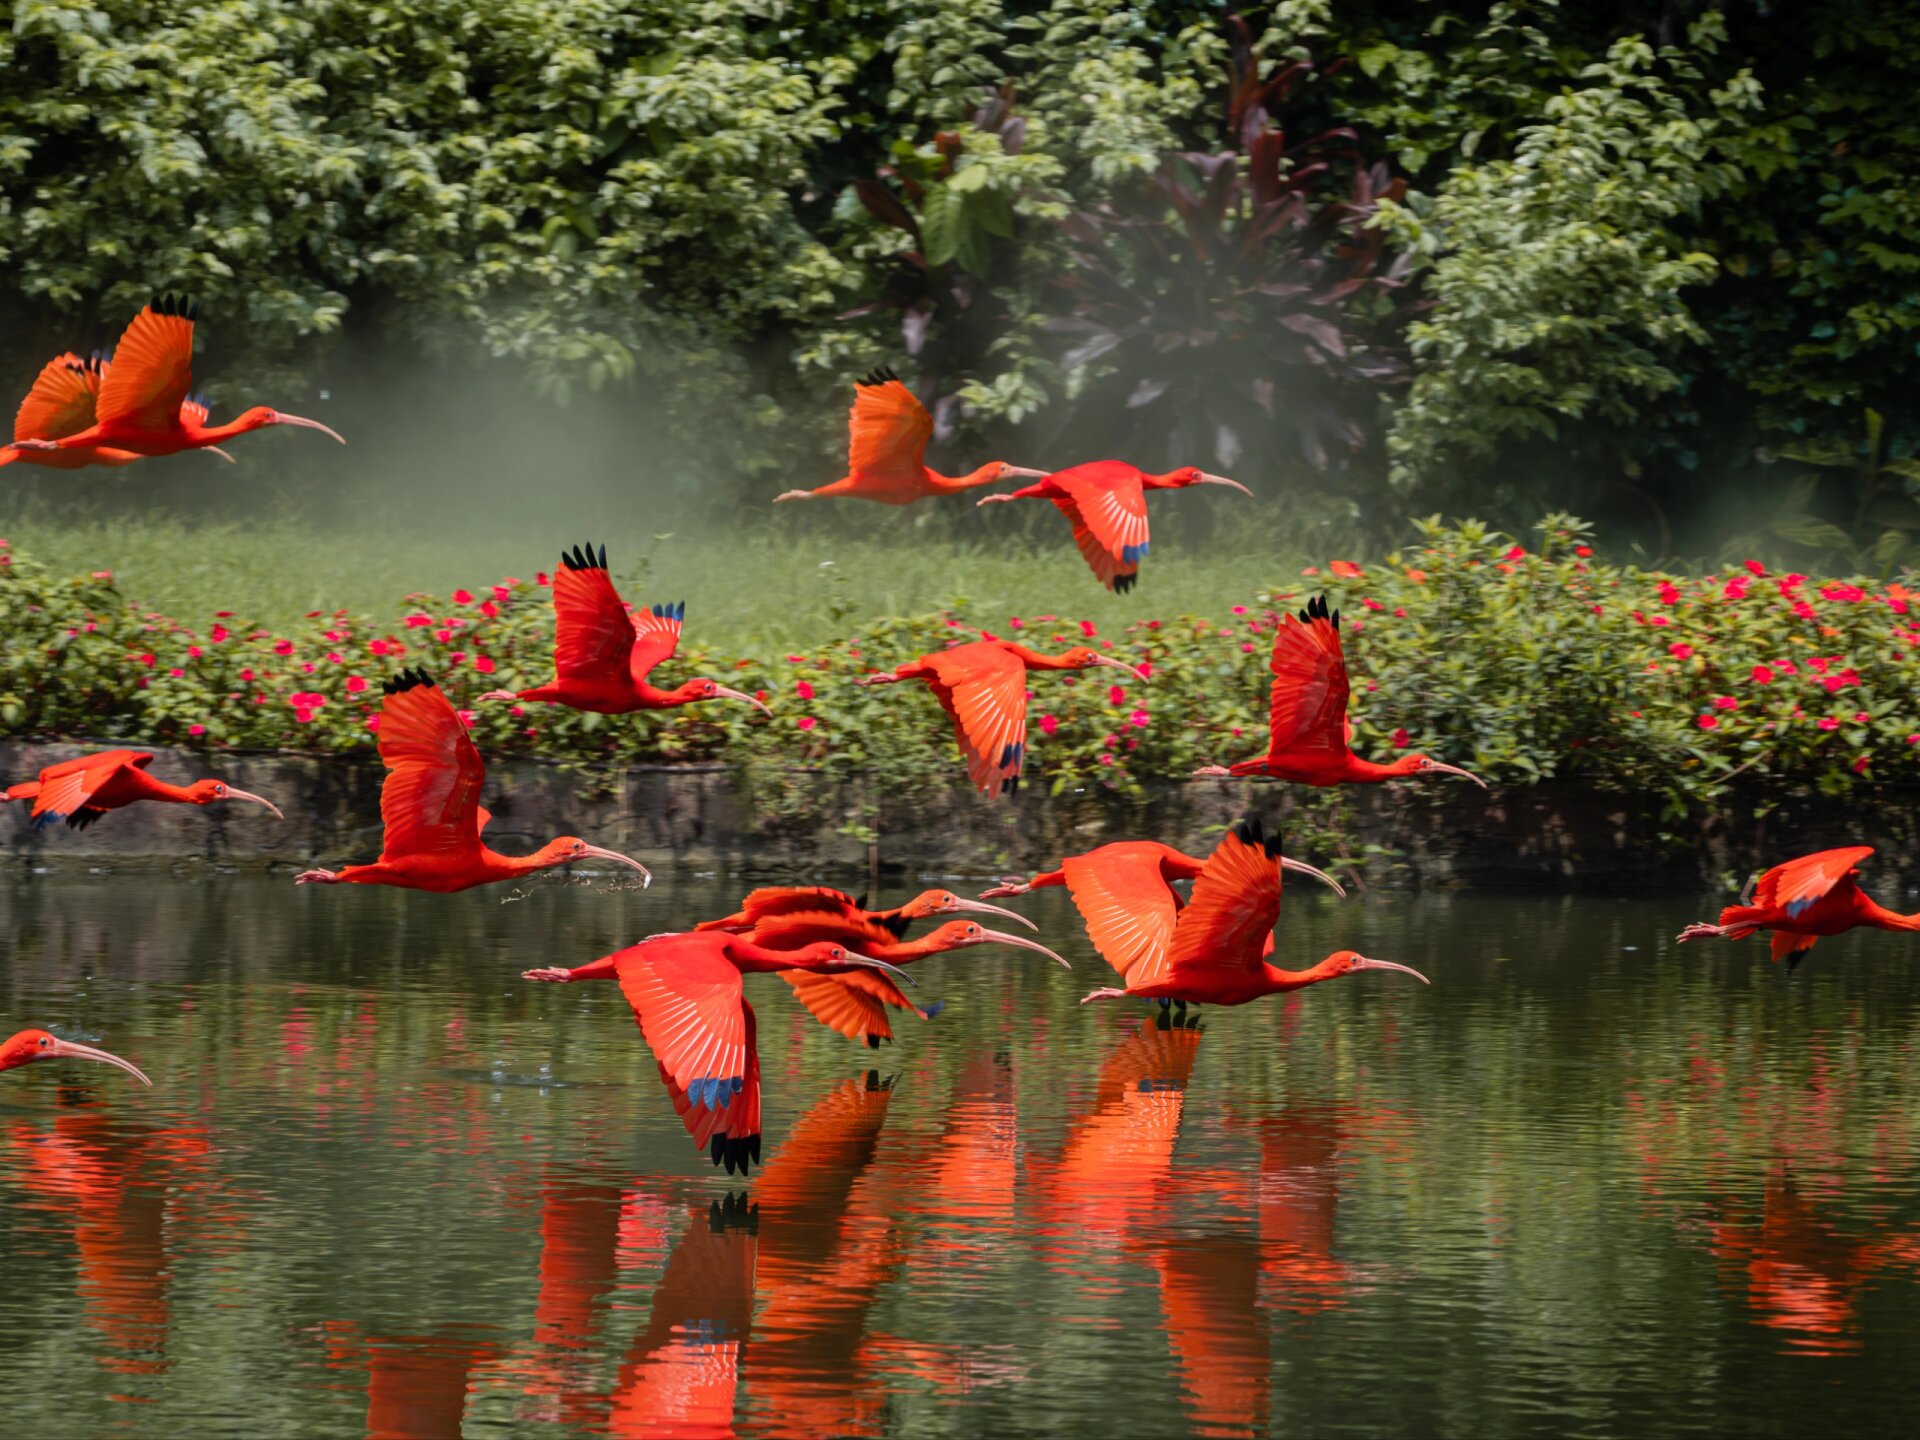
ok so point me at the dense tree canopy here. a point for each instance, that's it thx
(1419, 254)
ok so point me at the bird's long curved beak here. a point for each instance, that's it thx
(1456, 770)
(976, 908)
(1361, 962)
(646, 875)
(854, 957)
(1021, 472)
(72, 1050)
(1300, 867)
(233, 794)
(1000, 937)
(737, 695)
(1120, 665)
(216, 450)
(1206, 479)
(280, 417)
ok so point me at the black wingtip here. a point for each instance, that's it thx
(583, 558)
(879, 375)
(1317, 610)
(406, 680)
(1122, 584)
(1251, 830)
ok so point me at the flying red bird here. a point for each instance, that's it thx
(30, 1046)
(81, 790)
(983, 686)
(1211, 951)
(1802, 900)
(1128, 865)
(691, 1008)
(856, 1004)
(61, 403)
(1106, 503)
(142, 405)
(602, 655)
(431, 807)
(888, 432)
(772, 900)
(1307, 718)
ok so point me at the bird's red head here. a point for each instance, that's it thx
(205, 792)
(1189, 475)
(945, 902)
(961, 934)
(1426, 765)
(1347, 962)
(691, 691)
(1081, 657)
(565, 849)
(31, 1045)
(829, 955)
(259, 417)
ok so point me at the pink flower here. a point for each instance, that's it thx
(218, 633)
(196, 729)
(1828, 722)
(1845, 594)
(484, 664)
(1106, 757)
(1247, 647)
(1659, 620)
(1803, 610)
(806, 722)
(1086, 629)
(356, 684)
(1680, 651)
(1117, 696)
(1048, 724)
(176, 674)
(417, 621)
(1707, 722)
(246, 674)
(1736, 588)
(1138, 719)
(1790, 583)
(1725, 702)
(540, 577)
(373, 722)
(146, 660)
(1762, 675)
(302, 714)
(489, 609)
(1786, 667)
(503, 593)
(445, 637)
(333, 658)
(1370, 603)
(802, 689)
(1755, 566)
(1860, 765)
(1669, 593)
(467, 717)
(194, 652)
(1014, 622)
(463, 597)
(1861, 717)
(283, 647)
(1239, 609)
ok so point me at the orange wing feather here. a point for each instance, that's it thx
(1109, 521)
(687, 999)
(1794, 885)
(657, 636)
(62, 400)
(431, 801)
(887, 433)
(1129, 908)
(1310, 686)
(854, 1004)
(152, 368)
(64, 789)
(986, 694)
(592, 633)
(1236, 902)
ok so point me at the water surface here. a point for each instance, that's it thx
(1585, 1184)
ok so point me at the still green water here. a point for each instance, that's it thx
(1585, 1184)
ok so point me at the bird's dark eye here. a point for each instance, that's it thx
(45, 1044)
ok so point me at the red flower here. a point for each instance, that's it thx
(802, 689)
(463, 597)
(1138, 719)
(1725, 702)
(1755, 566)
(1401, 739)
(355, 684)
(1048, 724)
(806, 722)
(1707, 722)
(1828, 722)
(1762, 675)
(196, 729)
(1680, 650)
(484, 664)
(1803, 610)
(218, 633)
(1116, 696)
(1583, 551)
(1860, 765)
(1345, 569)
(1086, 629)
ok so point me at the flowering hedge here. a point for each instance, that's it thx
(1520, 661)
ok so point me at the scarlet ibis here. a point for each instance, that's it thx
(1106, 503)
(772, 900)
(602, 655)
(888, 432)
(1135, 866)
(431, 807)
(30, 1046)
(691, 1008)
(1211, 951)
(1307, 714)
(856, 1004)
(983, 686)
(1800, 901)
(142, 405)
(81, 790)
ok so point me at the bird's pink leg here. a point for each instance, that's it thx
(499, 695)
(317, 877)
(1107, 994)
(1701, 930)
(1213, 770)
(553, 974)
(877, 679)
(1012, 885)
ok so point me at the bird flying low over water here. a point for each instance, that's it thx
(1128, 865)
(1211, 950)
(81, 790)
(30, 1046)
(983, 686)
(692, 1010)
(602, 655)
(773, 900)
(1106, 503)
(856, 1004)
(1801, 900)
(1307, 713)
(430, 805)
(142, 406)
(888, 432)
(62, 403)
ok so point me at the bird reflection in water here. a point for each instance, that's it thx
(417, 1385)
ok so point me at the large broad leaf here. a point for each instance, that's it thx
(1811, 531)
(941, 223)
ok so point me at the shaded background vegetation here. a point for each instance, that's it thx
(1651, 262)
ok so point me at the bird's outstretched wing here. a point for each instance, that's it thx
(689, 1004)
(1129, 908)
(1235, 903)
(987, 697)
(1109, 519)
(771, 900)
(1308, 709)
(61, 401)
(1796, 884)
(855, 1004)
(887, 431)
(593, 636)
(152, 366)
(64, 789)
(430, 803)
(657, 636)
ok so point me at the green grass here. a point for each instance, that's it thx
(794, 590)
